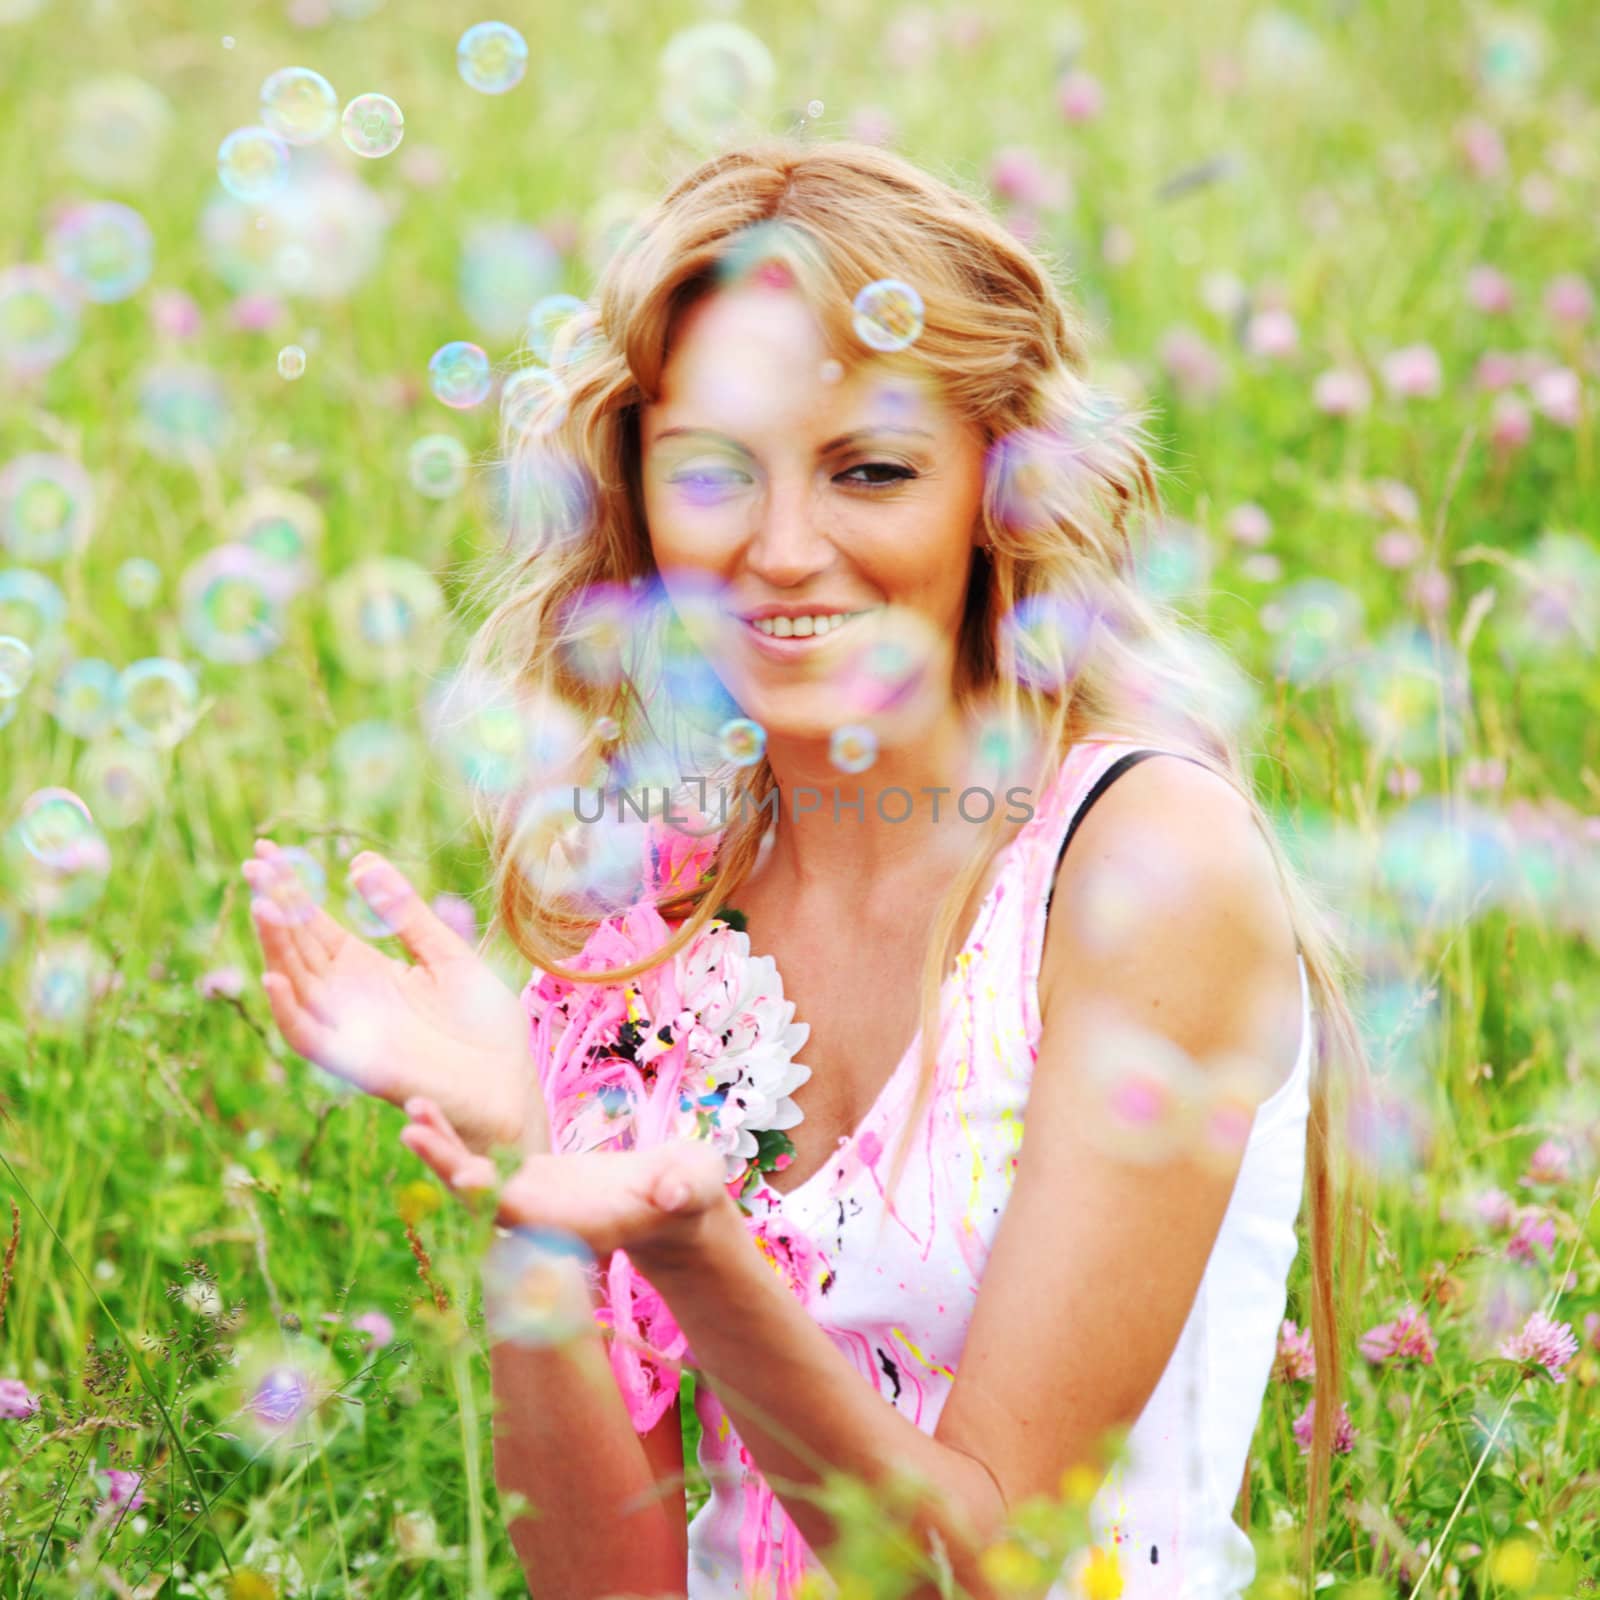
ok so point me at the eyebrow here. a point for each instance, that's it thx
(829, 448)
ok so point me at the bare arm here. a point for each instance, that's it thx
(563, 1439)
(752, 1337)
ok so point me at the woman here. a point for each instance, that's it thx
(746, 427)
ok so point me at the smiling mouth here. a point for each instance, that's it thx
(767, 627)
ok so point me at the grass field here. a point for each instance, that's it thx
(1347, 253)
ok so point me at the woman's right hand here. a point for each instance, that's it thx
(444, 1027)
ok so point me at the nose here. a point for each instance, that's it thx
(789, 543)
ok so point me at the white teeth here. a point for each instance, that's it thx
(802, 627)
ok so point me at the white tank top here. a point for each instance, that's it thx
(900, 1298)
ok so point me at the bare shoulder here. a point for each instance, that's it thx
(1168, 919)
(1169, 901)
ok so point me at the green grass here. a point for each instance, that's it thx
(118, 1135)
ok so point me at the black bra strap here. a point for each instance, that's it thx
(1104, 782)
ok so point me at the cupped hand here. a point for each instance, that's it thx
(652, 1203)
(443, 1025)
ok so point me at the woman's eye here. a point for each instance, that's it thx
(896, 474)
(707, 480)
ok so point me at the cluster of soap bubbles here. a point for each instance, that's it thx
(300, 107)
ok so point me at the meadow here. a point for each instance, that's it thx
(1347, 256)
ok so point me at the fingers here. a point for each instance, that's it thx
(324, 936)
(392, 898)
(426, 1112)
(286, 905)
(689, 1177)
(319, 938)
(283, 956)
(449, 1157)
(303, 1033)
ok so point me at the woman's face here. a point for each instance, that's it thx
(776, 480)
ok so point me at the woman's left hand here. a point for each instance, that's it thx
(654, 1204)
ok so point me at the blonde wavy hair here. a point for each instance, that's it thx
(1009, 354)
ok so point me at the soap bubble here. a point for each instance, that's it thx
(138, 582)
(437, 466)
(1557, 591)
(714, 77)
(115, 130)
(253, 164)
(232, 604)
(318, 236)
(103, 249)
(888, 314)
(32, 608)
(184, 411)
(291, 362)
(373, 125)
(492, 57)
(16, 666)
(536, 1286)
(375, 760)
(505, 267)
(1410, 693)
(459, 374)
(286, 527)
(369, 922)
(852, 749)
(533, 403)
(157, 702)
(52, 825)
(594, 630)
(539, 495)
(1173, 559)
(84, 701)
(1050, 635)
(280, 1396)
(59, 855)
(566, 858)
(498, 739)
(386, 614)
(1144, 1092)
(742, 741)
(1512, 51)
(121, 781)
(548, 317)
(1318, 623)
(46, 507)
(299, 105)
(38, 319)
(67, 976)
(293, 885)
